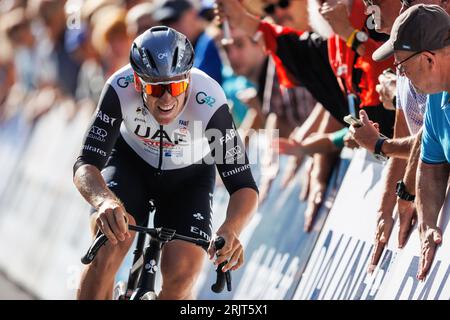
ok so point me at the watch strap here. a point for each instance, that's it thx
(379, 145)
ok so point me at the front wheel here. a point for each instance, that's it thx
(150, 295)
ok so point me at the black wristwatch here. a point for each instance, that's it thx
(378, 153)
(360, 37)
(402, 193)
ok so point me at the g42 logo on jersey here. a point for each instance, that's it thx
(203, 98)
(123, 82)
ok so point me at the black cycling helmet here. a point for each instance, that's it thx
(161, 53)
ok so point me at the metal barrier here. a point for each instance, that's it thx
(338, 264)
(44, 228)
(43, 219)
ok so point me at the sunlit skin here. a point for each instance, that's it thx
(416, 69)
(294, 16)
(245, 56)
(166, 108)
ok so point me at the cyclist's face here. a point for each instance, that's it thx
(167, 107)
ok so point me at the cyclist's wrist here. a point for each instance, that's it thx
(228, 229)
(110, 201)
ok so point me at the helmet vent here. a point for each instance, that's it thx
(159, 28)
(150, 59)
(175, 59)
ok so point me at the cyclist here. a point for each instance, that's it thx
(161, 140)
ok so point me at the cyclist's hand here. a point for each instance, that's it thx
(112, 221)
(231, 251)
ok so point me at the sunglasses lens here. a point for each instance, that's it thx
(178, 88)
(155, 90)
(283, 4)
(269, 9)
(174, 88)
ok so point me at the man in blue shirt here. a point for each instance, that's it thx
(436, 136)
(420, 42)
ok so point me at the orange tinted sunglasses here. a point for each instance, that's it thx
(175, 88)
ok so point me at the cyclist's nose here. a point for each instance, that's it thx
(166, 97)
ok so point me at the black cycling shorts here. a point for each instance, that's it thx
(182, 197)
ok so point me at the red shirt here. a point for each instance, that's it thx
(342, 60)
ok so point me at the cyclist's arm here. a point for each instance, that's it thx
(228, 152)
(234, 169)
(98, 143)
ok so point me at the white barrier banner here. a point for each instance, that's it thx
(338, 264)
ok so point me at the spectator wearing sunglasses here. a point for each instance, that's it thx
(161, 130)
(399, 188)
(288, 13)
(420, 43)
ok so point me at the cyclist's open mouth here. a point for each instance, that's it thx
(166, 109)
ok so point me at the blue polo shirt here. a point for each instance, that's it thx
(436, 134)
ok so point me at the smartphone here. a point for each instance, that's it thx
(353, 121)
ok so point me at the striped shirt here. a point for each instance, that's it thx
(412, 103)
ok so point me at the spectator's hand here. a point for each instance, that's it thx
(315, 199)
(349, 142)
(232, 250)
(306, 180)
(112, 221)
(385, 223)
(367, 135)
(338, 18)
(290, 170)
(287, 146)
(268, 175)
(387, 89)
(231, 10)
(430, 237)
(270, 164)
(249, 97)
(294, 162)
(407, 217)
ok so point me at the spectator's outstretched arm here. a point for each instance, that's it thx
(406, 209)
(431, 186)
(385, 220)
(367, 136)
(237, 16)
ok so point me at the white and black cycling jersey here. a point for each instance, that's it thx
(202, 134)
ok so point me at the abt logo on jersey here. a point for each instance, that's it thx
(106, 118)
(203, 98)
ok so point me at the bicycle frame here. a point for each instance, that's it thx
(142, 280)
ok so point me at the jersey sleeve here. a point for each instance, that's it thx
(102, 132)
(228, 151)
